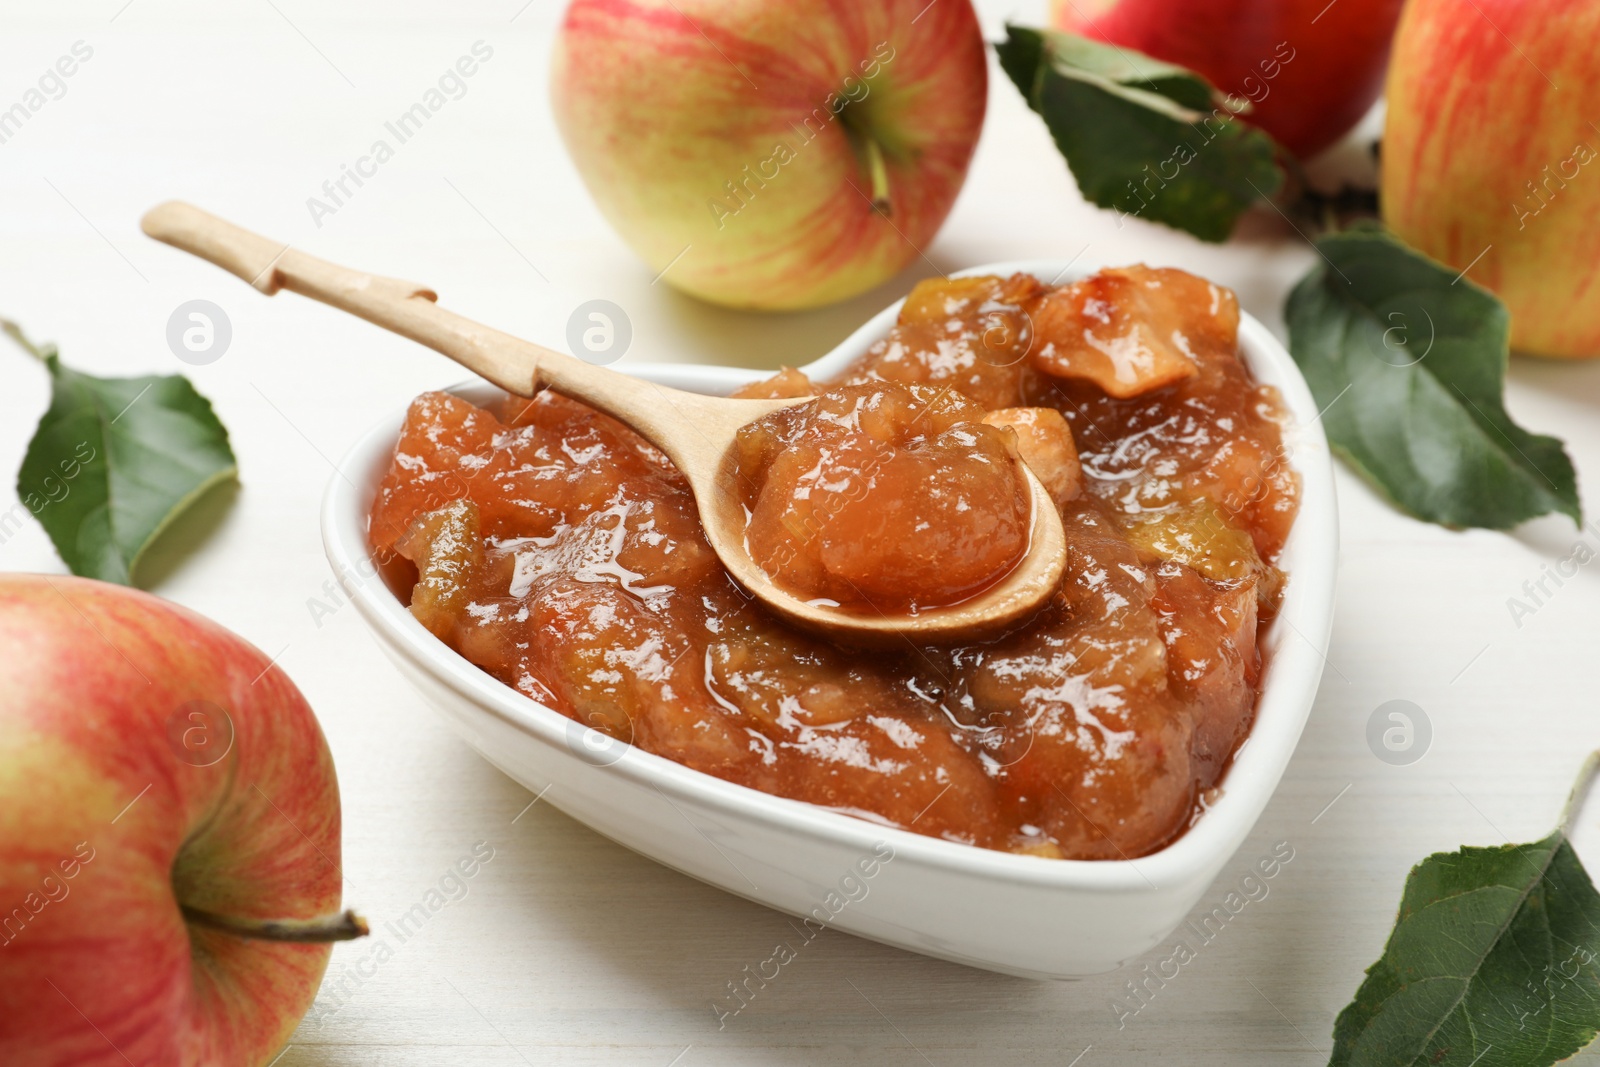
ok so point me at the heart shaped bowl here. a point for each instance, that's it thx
(1021, 915)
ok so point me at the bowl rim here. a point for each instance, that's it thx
(1291, 671)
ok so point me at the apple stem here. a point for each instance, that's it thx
(345, 926)
(878, 171)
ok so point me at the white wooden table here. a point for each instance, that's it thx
(567, 949)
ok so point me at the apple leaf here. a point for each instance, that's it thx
(115, 461)
(1408, 362)
(1491, 963)
(1143, 137)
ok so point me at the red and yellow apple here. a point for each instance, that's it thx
(772, 155)
(1491, 157)
(1310, 68)
(168, 807)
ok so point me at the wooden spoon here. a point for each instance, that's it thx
(695, 431)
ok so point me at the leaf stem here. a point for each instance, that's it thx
(346, 926)
(1321, 212)
(1580, 791)
(13, 331)
(1330, 212)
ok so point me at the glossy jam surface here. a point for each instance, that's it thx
(883, 496)
(558, 551)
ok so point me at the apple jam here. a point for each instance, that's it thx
(557, 550)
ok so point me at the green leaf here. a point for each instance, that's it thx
(1143, 137)
(1408, 362)
(116, 461)
(1491, 963)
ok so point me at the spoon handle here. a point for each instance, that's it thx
(693, 430)
(406, 308)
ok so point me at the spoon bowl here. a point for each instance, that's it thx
(695, 431)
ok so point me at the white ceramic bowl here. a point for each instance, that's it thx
(1021, 915)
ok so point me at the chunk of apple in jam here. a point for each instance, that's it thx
(1197, 534)
(442, 445)
(1044, 441)
(446, 548)
(1133, 329)
(786, 384)
(1213, 664)
(969, 333)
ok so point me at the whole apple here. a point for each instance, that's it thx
(1491, 157)
(771, 154)
(167, 806)
(1310, 68)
